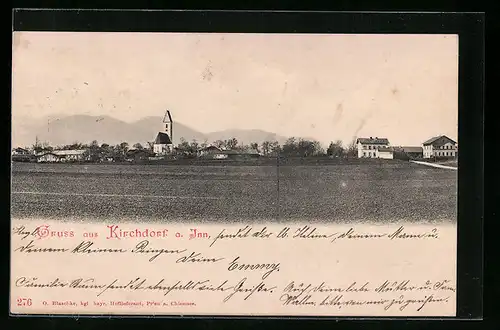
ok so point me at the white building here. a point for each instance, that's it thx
(385, 153)
(440, 146)
(163, 143)
(48, 157)
(368, 147)
(62, 156)
(20, 151)
(209, 151)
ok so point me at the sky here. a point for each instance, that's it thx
(326, 87)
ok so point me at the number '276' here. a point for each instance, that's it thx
(24, 302)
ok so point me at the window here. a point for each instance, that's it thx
(370, 147)
(364, 154)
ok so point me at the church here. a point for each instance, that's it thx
(163, 144)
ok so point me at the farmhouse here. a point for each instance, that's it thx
(440, 146)
(20, 151)
(62, 156)
(384, 152)
(367, 147)
(163, 143)
(48, 157)
(22, 155)
(210, 151)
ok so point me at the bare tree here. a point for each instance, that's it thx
(352, 150)
(231, 143)
(335, 149)
(266, 147)
(219, 144)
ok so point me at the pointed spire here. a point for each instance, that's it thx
(167, 118)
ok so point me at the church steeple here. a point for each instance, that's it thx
(167, 121)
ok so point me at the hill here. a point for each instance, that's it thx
(61, 130)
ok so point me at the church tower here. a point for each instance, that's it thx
(167, 121)
(163, 144)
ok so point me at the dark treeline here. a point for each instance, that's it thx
(292, 147)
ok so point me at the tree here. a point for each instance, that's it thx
(266, 147)
(184, 145)
(290, 147)
(335, 149)
(318, 149)
(185, 148)
(219, 144)
(42, 147)
(352, 150)
(75, 146)
(275, 148)
(138, 146)
(254, 146)
(194, 146)
(124, 146)
(231, 144)
(242, 147)
(150, 145)
(204, 144)
(93, 153)
(306, 148)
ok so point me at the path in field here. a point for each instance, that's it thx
(435, 165)
(262, 193)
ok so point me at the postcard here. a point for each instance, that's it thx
(234, 174)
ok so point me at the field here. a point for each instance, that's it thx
(392, 191)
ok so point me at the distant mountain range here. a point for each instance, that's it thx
(62, 130)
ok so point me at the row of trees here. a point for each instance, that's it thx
(292, 147)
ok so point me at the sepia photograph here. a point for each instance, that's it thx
(215, 128)
(234, 174)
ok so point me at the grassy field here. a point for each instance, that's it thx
(392, 191)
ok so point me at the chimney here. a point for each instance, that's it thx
(371, 138)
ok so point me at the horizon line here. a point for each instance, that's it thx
(344, 142)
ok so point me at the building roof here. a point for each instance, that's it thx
(68, 152)
(62, 153)
(167, 118)
(412, 149)
(438, 140)
(385, 149)
(210, 148)
(163, 138)
(372, 140)
(46, 153)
